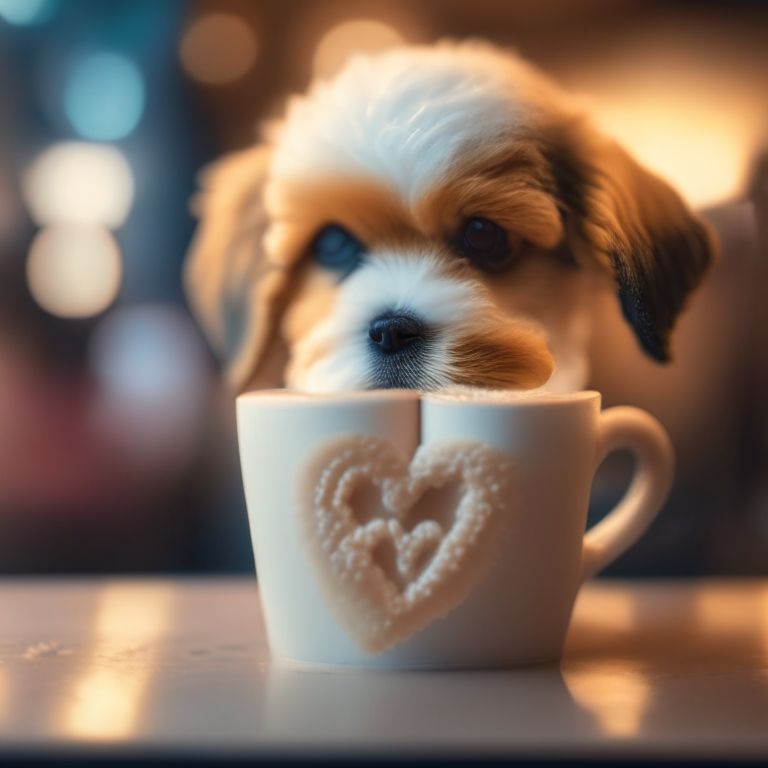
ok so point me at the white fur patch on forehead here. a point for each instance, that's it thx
(400, 117)
(406, 283)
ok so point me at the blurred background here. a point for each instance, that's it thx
(117, 442)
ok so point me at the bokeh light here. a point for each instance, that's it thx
(152, 369)
(106, 703)
(104, 97)
(349, 37)
(693, 114)
(218, 48)
(74, 270)
(704, 150)
(22, 13)
(79, 182)
(147, 354)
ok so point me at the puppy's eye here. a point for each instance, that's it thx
(486, 244)
(336, 249)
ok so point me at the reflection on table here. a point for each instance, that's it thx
(655, 669)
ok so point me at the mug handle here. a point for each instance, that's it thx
(643, 435)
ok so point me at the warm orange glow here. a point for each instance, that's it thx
(357, 36)
(606, 609)
(694, 114)
(733, 610)
(615, 692)
(106, 701)
(218, 48)
(703, 149)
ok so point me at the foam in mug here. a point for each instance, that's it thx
(403, 530)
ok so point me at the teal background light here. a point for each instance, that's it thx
(22, 13)
(104, 97)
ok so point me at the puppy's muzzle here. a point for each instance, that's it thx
(397, 349)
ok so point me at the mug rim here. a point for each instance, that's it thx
(515, 398)
(477, 398)
(294, 397)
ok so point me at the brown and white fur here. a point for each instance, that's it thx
(401, 150)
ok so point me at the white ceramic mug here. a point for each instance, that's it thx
(519, 612)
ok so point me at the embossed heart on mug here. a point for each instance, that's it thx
(394, 545)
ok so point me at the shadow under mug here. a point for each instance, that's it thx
(519, 613)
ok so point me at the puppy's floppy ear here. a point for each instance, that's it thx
(657, 249)
(233, 289)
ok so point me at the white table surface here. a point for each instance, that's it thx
(174, 667)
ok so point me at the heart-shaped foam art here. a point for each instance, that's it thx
(394, 546)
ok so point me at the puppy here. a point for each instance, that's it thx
(429, 218)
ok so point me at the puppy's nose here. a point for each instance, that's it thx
(393, 332)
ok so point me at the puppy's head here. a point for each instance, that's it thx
(431, 217)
